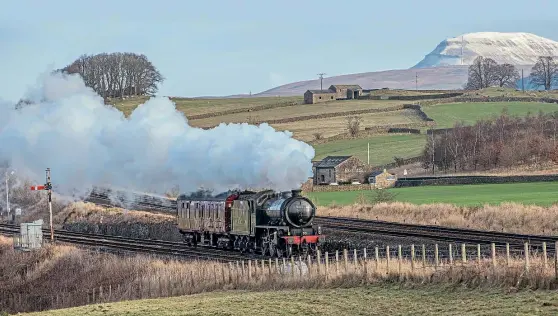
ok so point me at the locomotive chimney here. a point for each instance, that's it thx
(296, 192)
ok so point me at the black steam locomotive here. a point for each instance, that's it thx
(272, 223)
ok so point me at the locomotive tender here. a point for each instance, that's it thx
(273, 223)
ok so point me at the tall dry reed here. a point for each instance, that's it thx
(62, 276)
(507, 217)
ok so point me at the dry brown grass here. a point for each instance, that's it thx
(63, 276)
(507, 217)
(295, 111)
(90, 218)
(305, 130)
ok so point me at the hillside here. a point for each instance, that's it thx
(512, 48)
(441, 68)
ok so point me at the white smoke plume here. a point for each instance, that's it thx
(67, 128)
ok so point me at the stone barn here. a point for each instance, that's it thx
(382, 179)
(346, 91)
(318, 96)
(340, 169)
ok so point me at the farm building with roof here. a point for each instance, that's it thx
(340, 169)
(335, 92)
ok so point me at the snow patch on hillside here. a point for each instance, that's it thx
(513, 48)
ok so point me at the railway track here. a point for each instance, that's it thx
(158, 247)
(438, 233)
(432, 232)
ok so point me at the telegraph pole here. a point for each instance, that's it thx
(416, 81)
(7, 197)
(321, 79)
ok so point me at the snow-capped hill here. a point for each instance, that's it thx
(513, 48)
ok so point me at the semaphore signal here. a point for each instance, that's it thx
(47, 187)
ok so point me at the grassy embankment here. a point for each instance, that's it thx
(382, 300)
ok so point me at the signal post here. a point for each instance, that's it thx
(48, 188)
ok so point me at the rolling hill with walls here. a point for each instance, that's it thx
(445, 67)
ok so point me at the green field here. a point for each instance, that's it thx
(390, 300)
(446, 115)
(539, 193)
(382, 148)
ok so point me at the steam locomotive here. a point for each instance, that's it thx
(277, 224)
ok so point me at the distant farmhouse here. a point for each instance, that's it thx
(335, 92)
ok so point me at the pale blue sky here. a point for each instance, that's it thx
(211, 47)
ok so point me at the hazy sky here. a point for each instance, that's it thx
(227, 47)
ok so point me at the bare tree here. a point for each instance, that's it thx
(481, 73)
(506, 75)
(353, 125)
(117, 74)
(545, 72)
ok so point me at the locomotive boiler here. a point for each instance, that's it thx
(273, 223)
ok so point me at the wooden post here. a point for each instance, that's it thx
(412, 257)
(423, 256)
(463, 254)
(270, 265)
(365, 263)
(377, 258)
(355, 258)
(300, 265)
(346, 258)
(545, 260)
(309, 265)
(507, 254)
(493, 251)
(450, 255)
(387, 259)
(327, 264)
(364, 254)
(243, 271)
(478, 254)
(556, 261)
(526, 249)
(399, 259)
(319, 261)
(436, 256)
(337, 262)
(292, 266)
(230, 270)
(249, 269)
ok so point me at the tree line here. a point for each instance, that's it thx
(506, 141)
(117, 74)
(486, 72)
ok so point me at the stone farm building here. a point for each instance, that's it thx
(382, 179)
(335, 92)
(340, 169)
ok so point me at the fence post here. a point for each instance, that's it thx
(493, 251)
(399, 259)
(507, 254)
(337, 262)
(327, 265)
(249, 269)
(387, 259)
(463, 254)
(377, 257)
(545, 260)
(292, 266)
(450, 255)
(300, 265)
(309, 258)
(319, 260)
(556, 261)
(436, 258)
(270, 265)
(346, 259)
(423, 256)
(365, 263)
(526, 249)
(478, 254)
(413, 257)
